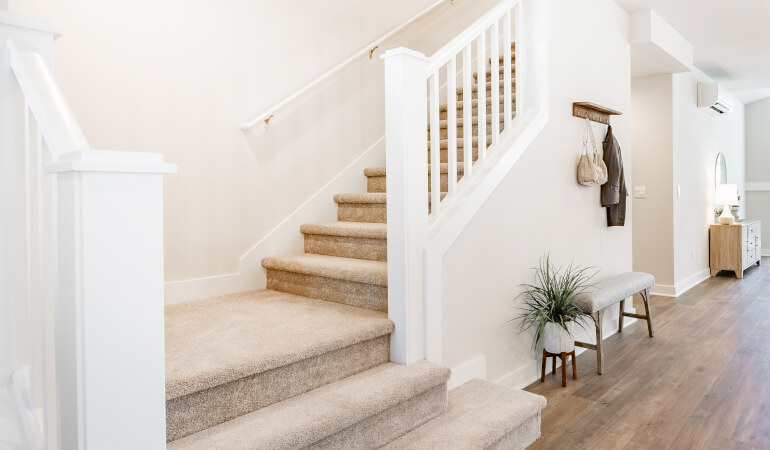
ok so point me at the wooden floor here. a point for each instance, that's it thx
(702, 382)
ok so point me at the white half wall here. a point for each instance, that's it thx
(539, 207)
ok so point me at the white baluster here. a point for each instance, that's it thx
(435, 146)
(495, 81)
(467, 113)
(507, 70)
(451, 115)
(481, 80)
(520, 61)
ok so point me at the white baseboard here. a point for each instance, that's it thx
(530, 372)
(475, 368)
(283, 238)
(766, 252)
(683, 286)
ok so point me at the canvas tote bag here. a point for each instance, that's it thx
(591, 168)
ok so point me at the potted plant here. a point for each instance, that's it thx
(549, 305)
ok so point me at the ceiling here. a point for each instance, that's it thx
(730, 39)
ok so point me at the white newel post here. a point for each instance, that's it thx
(406, 120)
(110, 360)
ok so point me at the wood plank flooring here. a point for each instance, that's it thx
(703, 381)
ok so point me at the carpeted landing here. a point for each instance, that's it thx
(305, 363)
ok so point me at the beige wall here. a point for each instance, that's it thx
(652, 141)
(540, 207)
(758, 165)
(179, 77)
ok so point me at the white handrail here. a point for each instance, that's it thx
(46, 101)
(268, 115)
(458, 43)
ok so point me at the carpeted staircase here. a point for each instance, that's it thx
(305, 362)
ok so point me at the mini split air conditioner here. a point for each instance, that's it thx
(711, 98)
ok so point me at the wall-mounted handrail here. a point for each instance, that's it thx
(46, 101)
(266, 117)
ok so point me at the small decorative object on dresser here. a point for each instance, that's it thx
(735, 247)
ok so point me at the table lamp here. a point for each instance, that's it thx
(727, 195)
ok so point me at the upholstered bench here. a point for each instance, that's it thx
(606, 293)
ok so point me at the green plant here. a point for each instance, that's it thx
(552, 298)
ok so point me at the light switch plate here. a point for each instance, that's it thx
(640, 192)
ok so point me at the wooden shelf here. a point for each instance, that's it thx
(594, 112)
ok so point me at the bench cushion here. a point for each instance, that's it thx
(612, 290)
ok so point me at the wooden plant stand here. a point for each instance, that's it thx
(563, 357)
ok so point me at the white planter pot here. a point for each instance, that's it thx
(557, 339)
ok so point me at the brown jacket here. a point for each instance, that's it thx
(614, 192)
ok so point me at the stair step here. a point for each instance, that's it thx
(378, 174)
(480, 415)
(347, 239)
(368, 207)
(232, 355)
(501, 87)
(474, 104)
(444, 133)
(444, 143)
(354, 282)
(500, 71)
(444, 154)
(475, 109)
(366, 410)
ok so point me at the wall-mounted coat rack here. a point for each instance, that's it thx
(594, 112)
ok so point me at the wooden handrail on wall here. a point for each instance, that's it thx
(270, 114)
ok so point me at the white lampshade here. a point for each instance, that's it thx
(726, 194)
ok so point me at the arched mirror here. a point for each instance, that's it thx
(720, 170)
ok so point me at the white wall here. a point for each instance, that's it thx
(698, 137)
(540, 207)
(653, 140)
(676, 145)
(758, 166)
(179, 77)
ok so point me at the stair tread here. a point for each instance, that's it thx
(475, 86)
(475, 103)
(339, 268)
(479, 415)
(380, 171)
(347, 229)
(215, 341)
(460, 121)
(366, 197)
(307, 418)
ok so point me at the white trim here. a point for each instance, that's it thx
(29, 23)
(680, 288)
(758, 186)
(766, 252)
(283, 238)
(475, 368)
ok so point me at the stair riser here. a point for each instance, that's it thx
(380, 183)
(444, 182)
(444, 133)
(390, 424)
(475, 92)
(375, 184)
(347, 247)
(361, 295)
(500, 73)
(475, 110)
(195, 412)
(362, 212)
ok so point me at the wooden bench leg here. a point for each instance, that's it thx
(599, 356)
(620, 316)
(563, 357)
(553, 368)
(574, 366)
(542, 373)
(646, 297)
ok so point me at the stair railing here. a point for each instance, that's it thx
(424, 195)
(93, 265)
